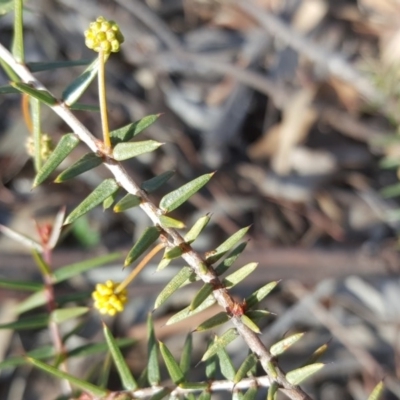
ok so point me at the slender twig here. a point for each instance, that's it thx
(193, 259)
(103, 100)
(214, 386)
(26, 112)
(139, 267)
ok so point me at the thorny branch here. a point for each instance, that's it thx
(193, 259)
(214, 386)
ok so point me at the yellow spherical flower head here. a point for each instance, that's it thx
(107, 300)
(104, 35)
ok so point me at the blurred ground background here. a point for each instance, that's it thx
(295, 104)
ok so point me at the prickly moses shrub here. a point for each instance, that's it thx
(260, 370)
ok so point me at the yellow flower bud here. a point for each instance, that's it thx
(107, 300)
(103, 35)
(46, 146)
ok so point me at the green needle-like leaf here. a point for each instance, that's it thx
(377, 392)
(40, 353)
(96, 348)
(8, 89)
(223, 266)
(206, 395)
(172, 286)
(201, 296)
(86, 163)
(124, 151)
(127, 202)
(168, 222)
(103, 376)
(391, 191)
(153, 369)
(6, 6)
(44, 268)
(109, 201)
(21, 285)
(64, 314)
(173, 368)
(51, 65)
(75, 90)
(251, 393)
(216, 320)
(389, 162)
(272, 391)
(171, 254)
(197, 228)
(174, 199)
(186, 312)
(18, 37)
(256, 315)
(104, 190)
(163, 393)
(298, 375)
(260, 294)
(226, 365)
(249, 363)
(149, 236)
(151, 185)
(186, 355)
(12, 75)
(34, 300)
(127, 132)
(211, 365)
(283, 345)
(20, 238)
(71, 270)
(42, 95)
(86, 386)
(220, 343)
(64, 147)
(223, 248)
(317, 354)
(250, 323)
(236, 277)
(128, 382)
(31, 322)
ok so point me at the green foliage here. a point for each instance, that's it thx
(173, 200)
(149, 236)
(151, 185)
(127, 202)
(153, 369)
(220, 343)
(283, 345)
(244, 316)
(41, 95)
(128, 381)
(75, 90)
(79, 383)
(99, 194)
(66, 144)
(128, 132)
(299, 375)
(124, 151)
(86, 163)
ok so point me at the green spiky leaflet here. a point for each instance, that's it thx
(98, 195)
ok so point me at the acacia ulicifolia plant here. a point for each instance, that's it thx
(165, 234)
